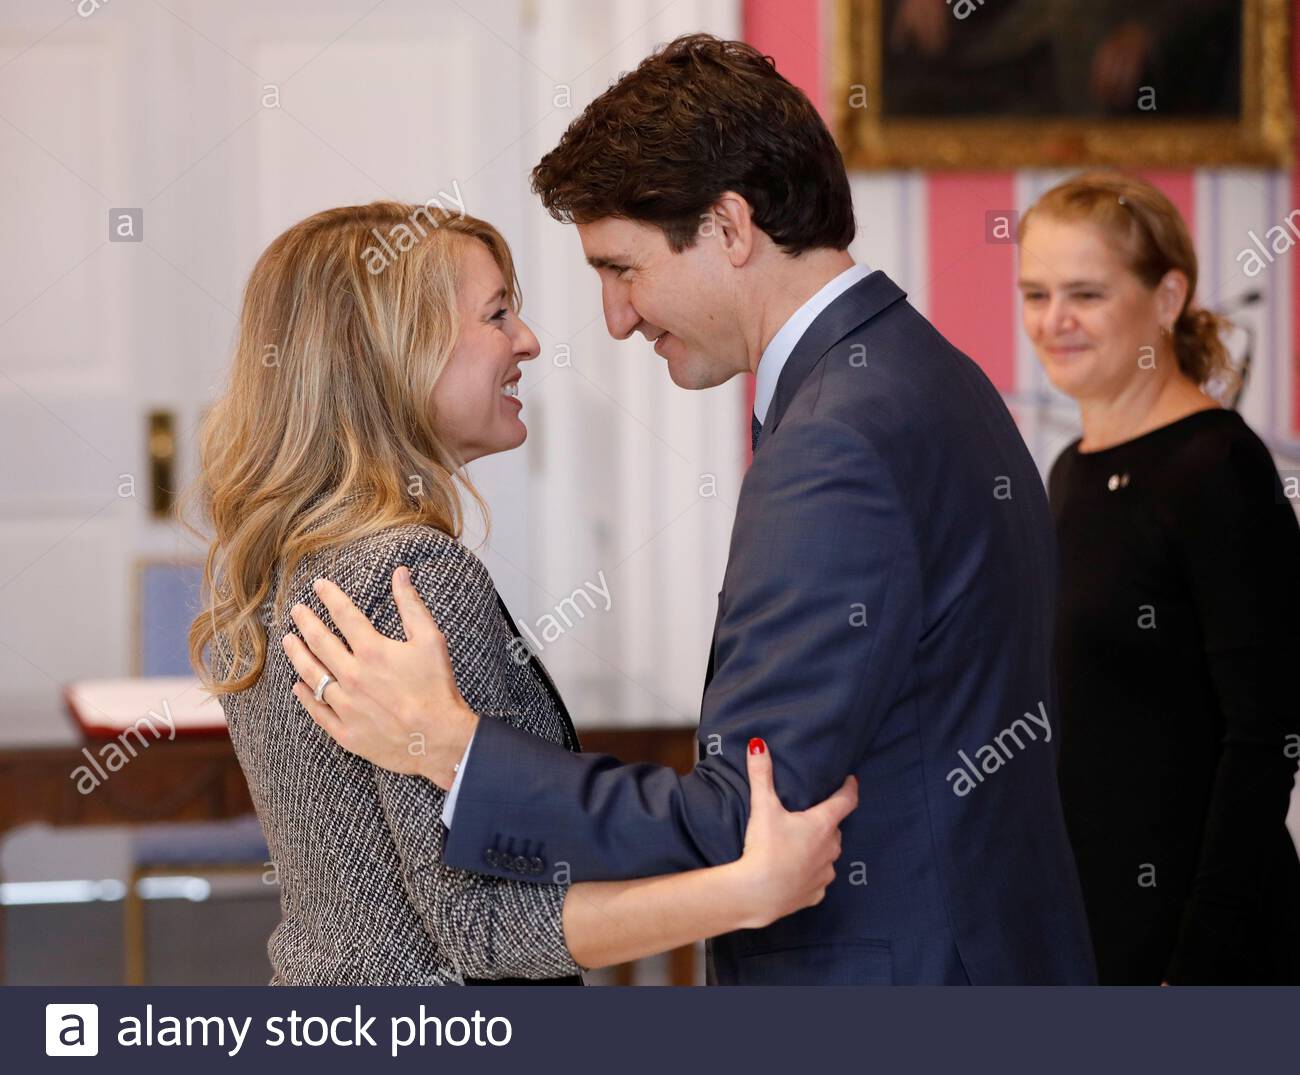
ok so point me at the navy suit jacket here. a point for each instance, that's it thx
(887, 611)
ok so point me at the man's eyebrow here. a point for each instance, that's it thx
(605, 263)
(1069, 285)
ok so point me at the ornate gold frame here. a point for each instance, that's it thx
(1263, 137)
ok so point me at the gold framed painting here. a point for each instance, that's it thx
(1062, 83)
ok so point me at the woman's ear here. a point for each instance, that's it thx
(730, 222)
(1171, 297)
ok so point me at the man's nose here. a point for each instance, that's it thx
(620, 315)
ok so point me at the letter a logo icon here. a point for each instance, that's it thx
(72, 1030)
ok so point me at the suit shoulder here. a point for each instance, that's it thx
(895, 366)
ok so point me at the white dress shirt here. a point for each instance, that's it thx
(778, 351)
(449, 803)
(770, 365)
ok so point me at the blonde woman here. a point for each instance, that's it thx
(359, 390)
(1180, 578)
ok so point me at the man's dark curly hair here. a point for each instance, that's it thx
(699, 117)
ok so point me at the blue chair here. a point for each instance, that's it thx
(202, 848)
(166, 601)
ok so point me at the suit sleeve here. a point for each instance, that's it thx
(486, 926)
(817, 624)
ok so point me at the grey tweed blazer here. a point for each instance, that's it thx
(365, 897)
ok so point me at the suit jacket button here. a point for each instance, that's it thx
(536, 865)
(521, 864)
(490, 857)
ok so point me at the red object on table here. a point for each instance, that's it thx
(166, 706)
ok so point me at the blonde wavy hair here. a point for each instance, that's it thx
(1149, 233)
(325, 433)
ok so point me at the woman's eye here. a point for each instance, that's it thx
(500, 315)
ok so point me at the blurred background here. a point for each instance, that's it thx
(152, 148)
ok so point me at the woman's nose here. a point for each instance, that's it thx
(1059, 317)
(526, 346)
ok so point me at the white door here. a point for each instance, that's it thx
(221, 124)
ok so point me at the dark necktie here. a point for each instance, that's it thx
(755, 428)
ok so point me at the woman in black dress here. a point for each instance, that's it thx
(1179, 605)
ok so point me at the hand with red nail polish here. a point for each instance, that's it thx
(789, 857)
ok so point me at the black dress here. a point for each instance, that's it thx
(1178, 629)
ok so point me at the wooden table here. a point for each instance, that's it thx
(198, 779)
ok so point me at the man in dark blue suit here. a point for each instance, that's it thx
(887, 606)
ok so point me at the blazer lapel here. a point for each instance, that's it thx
(571, 733)
(863, 301)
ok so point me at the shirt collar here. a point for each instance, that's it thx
(775, 354)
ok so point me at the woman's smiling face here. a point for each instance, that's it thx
(476, 400)
(1094, 325)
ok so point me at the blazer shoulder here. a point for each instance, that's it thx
(433, 555)
(897, 376)
(440, 564)
(398, 544)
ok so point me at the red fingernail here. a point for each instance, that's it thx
(757, 746)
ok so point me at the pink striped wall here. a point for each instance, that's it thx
(790, 32)
(972, 301)
(1180, 187)
(1295, 201)
(967, 288)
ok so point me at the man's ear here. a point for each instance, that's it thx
(731, 224)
